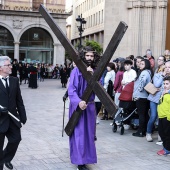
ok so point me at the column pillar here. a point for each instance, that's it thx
(55, 54)
(45, 3)
(59, 54)
(16, 50)
(148, 26)
(136, 22)
(95, 37)
(160, 29)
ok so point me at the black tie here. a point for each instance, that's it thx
(6, 84)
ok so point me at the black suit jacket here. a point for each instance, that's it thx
(13, 102)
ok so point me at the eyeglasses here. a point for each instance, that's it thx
(8, 65)
(160, 60)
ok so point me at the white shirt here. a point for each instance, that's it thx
(109, 76)
(129, 76)
(3, 81)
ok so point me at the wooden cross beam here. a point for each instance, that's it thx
(92, 80)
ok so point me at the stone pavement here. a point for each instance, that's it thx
(44, 148)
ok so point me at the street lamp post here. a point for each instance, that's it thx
(80, 27)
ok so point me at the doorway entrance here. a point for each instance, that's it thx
(36, 46)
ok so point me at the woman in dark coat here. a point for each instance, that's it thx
(21, 73)
(42, 72)
(26, 72)
(14, 68)
(33, 77)
(64, 78)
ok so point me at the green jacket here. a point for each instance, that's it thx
(164, 107)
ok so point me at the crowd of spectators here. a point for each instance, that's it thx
(142, 70)
(43, 71)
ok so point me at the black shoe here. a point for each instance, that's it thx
(82, 167)
(138, 134)
(9, 165)
(110, 118)
(104, 118)
(95, 138)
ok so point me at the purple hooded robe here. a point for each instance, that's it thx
(82, 144)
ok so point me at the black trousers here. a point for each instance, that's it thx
(164, 132)
(13, 135)
(98, 107)
(105, 111)
(142, 105)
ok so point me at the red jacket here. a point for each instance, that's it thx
(127, 92)
(118, 80)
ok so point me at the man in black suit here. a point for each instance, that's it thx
(11, 100)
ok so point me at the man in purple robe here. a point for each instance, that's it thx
(82, 141)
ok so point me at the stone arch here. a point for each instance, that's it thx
(39, 26)
(10, 30)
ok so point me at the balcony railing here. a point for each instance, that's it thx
(52, 7)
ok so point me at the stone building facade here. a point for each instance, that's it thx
(146, 20)
(24, 34)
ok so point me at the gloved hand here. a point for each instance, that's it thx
(23, 119)
(65, 96)
(3, 110)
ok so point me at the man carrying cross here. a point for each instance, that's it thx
(82, 140)
(83, 84)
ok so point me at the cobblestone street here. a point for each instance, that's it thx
(43, 147)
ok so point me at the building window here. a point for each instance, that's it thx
(36, 4)
(102, 17)
(36, 37)
(99, 17)
(6, 38)
(94, 21)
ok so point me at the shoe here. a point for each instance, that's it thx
(104, 118)
(97, 121)
(159, 139)
(149, 137)
(82, 167)
(159, 143)
(163, 152)
(126, 127)
(9, 165)
(138, 134)
(110, 118)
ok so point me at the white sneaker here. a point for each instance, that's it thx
(149, 137)
(97, 121)
(126, 127)
(159, 143)
(159, 139)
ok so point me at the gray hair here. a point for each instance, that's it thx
(3, 59)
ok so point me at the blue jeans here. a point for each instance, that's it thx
(153, 116)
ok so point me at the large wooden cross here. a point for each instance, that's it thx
(92, 79)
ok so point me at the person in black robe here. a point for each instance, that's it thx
(15, 68)
(64, 78)
(42, 72)
(26, 71)
(33, 77)
(21, 72)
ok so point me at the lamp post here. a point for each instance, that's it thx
(80, 27)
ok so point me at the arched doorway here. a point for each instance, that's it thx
(168, 27)
(6, 42)
(36, 46)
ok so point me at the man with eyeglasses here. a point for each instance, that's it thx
(10, 101)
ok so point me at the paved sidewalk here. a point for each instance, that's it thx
(43, 148)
